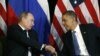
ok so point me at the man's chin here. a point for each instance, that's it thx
(29, 28)
(67, 29)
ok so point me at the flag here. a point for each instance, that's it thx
(40, 10)
(11, 14)
(3, 17)
(87, 11)
(41, 13)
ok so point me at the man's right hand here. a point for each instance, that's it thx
(50, 49)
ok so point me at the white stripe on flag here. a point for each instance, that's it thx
(86, 13)
(68, 5)
(96, 7)
(58, 14)
(3, 25)
(2, 2)
(56, 37)
(44, 5)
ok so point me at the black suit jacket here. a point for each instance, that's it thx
(18, 43)
(91, 37)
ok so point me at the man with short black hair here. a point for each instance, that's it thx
(81, 39)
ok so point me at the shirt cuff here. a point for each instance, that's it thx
(43, 47)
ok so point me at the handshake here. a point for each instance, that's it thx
(50, 49)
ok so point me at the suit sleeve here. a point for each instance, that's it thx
(63, 52)
(98, 29)
(98, 38)
(97, 32)
(19, 37)
(65, 49)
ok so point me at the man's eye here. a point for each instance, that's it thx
(64, 20)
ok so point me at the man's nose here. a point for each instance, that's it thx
(63, 23)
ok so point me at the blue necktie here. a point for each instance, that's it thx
(76, 46)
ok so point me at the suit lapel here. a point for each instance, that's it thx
(84, 32)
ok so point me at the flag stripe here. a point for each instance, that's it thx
(80, 15)
(45, 9)
(56, 37)
(68, 5)
(57, 26)
(96, 7)
(3, 25)
(52, 41)
(3, 12)
(61, 6)
(87, 15)
(92, 11)
(13, 19)
(3, 18)
(3, 4)
(58, 15)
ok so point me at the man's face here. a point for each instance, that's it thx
(67, 21)
(28, 21)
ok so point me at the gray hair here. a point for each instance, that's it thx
(23, 14)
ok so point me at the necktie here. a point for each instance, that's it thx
(75, 42)
(29, 48)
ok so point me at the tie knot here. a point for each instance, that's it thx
(24, 31)
(74, 32)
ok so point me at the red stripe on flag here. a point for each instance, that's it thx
(12, 18)
(80, 15)
(92, 11)
(52, 41)
(61, 6)
(3, 13)
(57, 26)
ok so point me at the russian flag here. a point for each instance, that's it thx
(40, 10)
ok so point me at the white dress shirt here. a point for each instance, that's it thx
(79, 37)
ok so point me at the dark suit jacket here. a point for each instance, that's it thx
(91, 37)
(18, 43)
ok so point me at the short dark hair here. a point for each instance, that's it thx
(23, 14)
(70, 13)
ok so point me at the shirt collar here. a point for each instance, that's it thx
(21, 27)
(77, 28)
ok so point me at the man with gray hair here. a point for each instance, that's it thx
(22, 40)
